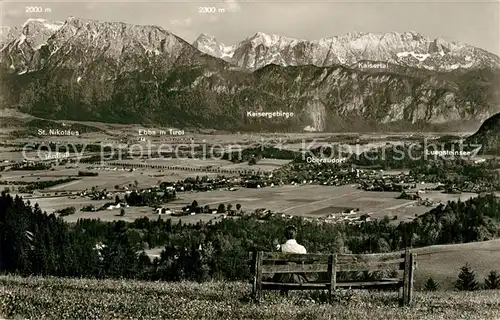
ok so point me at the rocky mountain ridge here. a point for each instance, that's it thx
(117, 72)
(42, 42)
(210, 45)
(488, 136)
(408, 49)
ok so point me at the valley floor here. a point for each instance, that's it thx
(56, 298)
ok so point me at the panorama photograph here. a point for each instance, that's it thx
(246, 159)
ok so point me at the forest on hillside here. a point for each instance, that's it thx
(34, 243)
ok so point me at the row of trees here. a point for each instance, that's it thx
(467, 281)
(37, 185)
(78, 147)
(149, 198)
(254, 154)
(32, 167)
(87, 174)
(222, 208)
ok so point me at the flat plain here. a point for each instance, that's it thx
(303, 200)
(264, 164)
(307, 200)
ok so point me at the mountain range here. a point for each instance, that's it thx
(117, 72)
(408, 49)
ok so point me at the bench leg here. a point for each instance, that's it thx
(401, 296)
(284, 292)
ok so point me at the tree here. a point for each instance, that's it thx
(120, 253)
(221, 208)
(364, 217)
(66, 211)
(466, 279)
(117, 187)
(122, 212)
(238, 206)
(194, 204)
(229, 207)
(117, 199)
(431, 285)
(492, 281)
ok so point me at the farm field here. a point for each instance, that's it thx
(303, 200)
(110, 175)
(16, 156)
(51, 204)
(408, 212)
(145, 179)
(297, 200)
(133, 213)
(347, 147)
(19, 156)
(264, 164)
(59, 172)
(111, 131)
(107, 179)
(439, 196)
(311, 201)
(57, 298)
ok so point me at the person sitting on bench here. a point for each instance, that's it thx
(290, 246)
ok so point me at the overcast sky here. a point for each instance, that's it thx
(473, 22)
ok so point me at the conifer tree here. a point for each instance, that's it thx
(492, 281)
(431, 285)
(466, 279)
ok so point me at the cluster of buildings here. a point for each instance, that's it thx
(350, 216)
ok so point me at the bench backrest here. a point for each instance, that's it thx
(277, 262)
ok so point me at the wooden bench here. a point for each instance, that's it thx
(269, 263)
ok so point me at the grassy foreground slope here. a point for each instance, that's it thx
(443, 262)
(56, 298)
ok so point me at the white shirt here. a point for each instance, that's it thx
(291, 246)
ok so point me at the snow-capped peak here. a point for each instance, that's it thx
(270, 39)
(50, 25)
(203, 36)
(210, 45)
(401, 48)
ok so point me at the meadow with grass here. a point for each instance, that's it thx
(56, 298)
